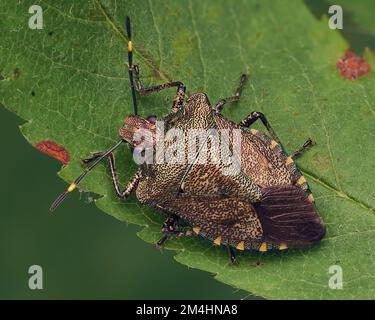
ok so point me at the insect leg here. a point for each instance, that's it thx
(161, 241)
(232, 254)
(296, 154)
(220, 104)
(132, 184)
(170, 229)
(94, 156)
(254, 116)
(180, 94)
(169, 226)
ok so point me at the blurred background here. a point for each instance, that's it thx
(83, 252)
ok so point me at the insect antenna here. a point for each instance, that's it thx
(74, 184)
(130, 64)
(96, 161)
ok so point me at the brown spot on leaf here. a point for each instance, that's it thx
(257, 263)
(16, 73)
(54, 150)
(352, 66)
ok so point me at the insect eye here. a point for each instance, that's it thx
(151, 119)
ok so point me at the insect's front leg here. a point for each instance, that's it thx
(170, 229)
(236, 97)
(132, 184)
(180, 94)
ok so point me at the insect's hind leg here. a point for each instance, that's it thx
(236, 97)
(254, 116)
(308, 144)
(132, 184)
(170, 229)
(180, 94)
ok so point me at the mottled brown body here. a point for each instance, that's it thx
(227, 208)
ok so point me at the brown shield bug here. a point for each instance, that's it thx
(265, 203)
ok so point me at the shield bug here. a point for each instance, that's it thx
(264, 203)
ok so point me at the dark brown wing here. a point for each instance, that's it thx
(284, 218)
(288, 216)
(222, 219)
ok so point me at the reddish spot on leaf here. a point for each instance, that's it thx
(54, 150)
(352, 66)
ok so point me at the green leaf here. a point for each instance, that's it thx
(76, 68)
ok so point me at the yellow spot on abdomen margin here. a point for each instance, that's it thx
(283, 246)
(273, 144)
(217, 241)
(301, 180)
(130, 46)
(289, 160)
(254, 131)
(241, 246)
(311, 198)
(197, 230)
(263, 247)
